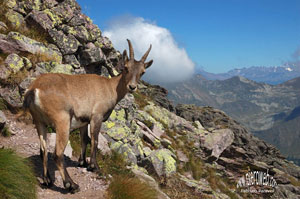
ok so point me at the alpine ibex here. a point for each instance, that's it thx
(68, 102)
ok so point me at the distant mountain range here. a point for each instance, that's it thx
(271, 112)
(270, 75)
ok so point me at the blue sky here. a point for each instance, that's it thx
(217, 35)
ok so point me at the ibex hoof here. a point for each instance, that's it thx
(93, 168)
(47, 182)
(71, 187)
(82, 164)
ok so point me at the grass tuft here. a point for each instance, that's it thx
(113, 164)
(125, 187)
(141, 99)
(16, 177)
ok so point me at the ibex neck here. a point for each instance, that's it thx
(120, 86)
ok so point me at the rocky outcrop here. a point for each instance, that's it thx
(50, 36)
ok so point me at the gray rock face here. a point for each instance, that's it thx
(51, 144)
(2, 120)
(217, 141)
(67, 44)
(92, 55)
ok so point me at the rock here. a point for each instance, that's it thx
(163, 162)
(11, 96)
(41, 19)
(166, 143)
(147, 151)
(104, 43)
(157, 131)
(79, 32)
(93, 55)
(72, 60)
(159, 95)
(54, 67)
(15, 42)
(216, 142)
(2, 120)
(52, 141)
(103, 145)
(77, 20)
(68, 150)
(14, 63)
(25, 84)
(181, 156)
(67, 44)
(151, 182)
(15, 19)
(199, 185)
(147, 134)
(3, 26)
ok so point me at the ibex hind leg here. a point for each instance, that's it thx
(84, 142)
(42, 132)
(95, 129)
(62, 136)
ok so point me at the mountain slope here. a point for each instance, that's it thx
(259, 107)
(269, 75)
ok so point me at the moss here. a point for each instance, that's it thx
(17, 179)
(3, 104)
(110, 124)
(5, 132)
(167, 159)
(118, 133)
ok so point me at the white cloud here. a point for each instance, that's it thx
(171, 62)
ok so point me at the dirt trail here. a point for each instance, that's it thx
(25, 141)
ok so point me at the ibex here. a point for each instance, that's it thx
(68, 102)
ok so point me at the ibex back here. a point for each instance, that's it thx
(68, 102)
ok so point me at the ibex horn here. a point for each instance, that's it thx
(131, 53)
(146, 54)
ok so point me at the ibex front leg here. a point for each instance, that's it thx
(95, 128)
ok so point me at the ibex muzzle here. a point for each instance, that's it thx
(67, 102)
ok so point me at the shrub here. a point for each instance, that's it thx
(125, 187)
(16, 177)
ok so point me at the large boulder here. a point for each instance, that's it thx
(67, 44)
(216, 142)
(163, 162)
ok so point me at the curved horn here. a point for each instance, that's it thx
(131, 53)
(146, 54)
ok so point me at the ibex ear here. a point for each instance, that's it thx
(124, 56)
(148, 64)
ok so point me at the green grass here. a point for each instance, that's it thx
(113, 164)
(17, 180)
(125, 187)
(140, 99)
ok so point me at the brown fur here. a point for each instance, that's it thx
(74, 101)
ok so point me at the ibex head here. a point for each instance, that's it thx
(133, 69)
